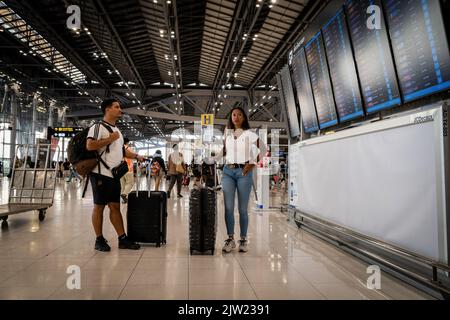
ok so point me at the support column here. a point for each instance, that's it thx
(263, 173)
(50, 113)
(5, 99)
(12, 146)
(34, 122)
(63, 123)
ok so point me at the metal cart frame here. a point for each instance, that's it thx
(32, 188)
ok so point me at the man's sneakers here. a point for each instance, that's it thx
(229, 245)
(126, 243)
(124, 198)
(101, 244)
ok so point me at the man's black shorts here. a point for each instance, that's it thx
(105, 189)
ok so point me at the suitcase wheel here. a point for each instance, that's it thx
(212, 252)
(192, 251)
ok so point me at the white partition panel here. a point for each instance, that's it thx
(385, 180)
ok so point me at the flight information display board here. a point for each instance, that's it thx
(320, 81)
(287, 95)
(63, 132)
(302, 84)
(373, 57)
(420, 46)
(342, 68)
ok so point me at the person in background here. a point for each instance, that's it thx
(209, 171)
(73, 174)
(157, 168)
(127, 181)
(60, 169)
(176, 170)
(66, 168)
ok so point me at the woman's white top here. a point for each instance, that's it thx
(242, 149)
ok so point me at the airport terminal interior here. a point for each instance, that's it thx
(323, 122)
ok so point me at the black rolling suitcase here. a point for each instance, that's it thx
(147, 216)
(202, 220)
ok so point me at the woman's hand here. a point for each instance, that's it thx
(248, 167)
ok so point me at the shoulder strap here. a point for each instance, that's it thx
(107, 126)
(99, 155)
(110, 130)
(85, 186)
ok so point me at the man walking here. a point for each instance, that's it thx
(176, 170)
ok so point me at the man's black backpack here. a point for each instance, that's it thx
(82, 160)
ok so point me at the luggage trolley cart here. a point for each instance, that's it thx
(32, 185)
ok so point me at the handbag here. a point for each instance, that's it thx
(119, 171)
(180, 168)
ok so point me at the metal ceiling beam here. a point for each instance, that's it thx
(166, 107)
(228, 41)
(305, 20)
(198, 92)
(255, 18)
(177, 37)
(194, 104)
(176, 66)
(177, 117)
(267, 112)
(122, 47)
(67, 47)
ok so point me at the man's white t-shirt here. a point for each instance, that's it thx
(115, 154)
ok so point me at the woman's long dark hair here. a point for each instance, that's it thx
(245, 124)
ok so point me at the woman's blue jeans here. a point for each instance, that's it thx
(233, 180)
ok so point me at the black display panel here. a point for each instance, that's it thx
(287, 97)
(342, 68)
(320, 82)
(420, 46)
(302, 85)
(373, 57)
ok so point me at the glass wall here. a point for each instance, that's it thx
(23, 125)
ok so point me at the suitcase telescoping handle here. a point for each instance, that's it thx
(149, 178)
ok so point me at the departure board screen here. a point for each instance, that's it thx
(342, 68)
(287, 95)
(320, 82)
(420, 47)
(373, 57)
(302, 84)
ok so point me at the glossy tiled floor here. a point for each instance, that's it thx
(283, 262)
